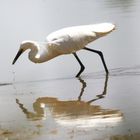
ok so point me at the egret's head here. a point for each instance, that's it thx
(23, 47)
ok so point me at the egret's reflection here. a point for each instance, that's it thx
(130, 136)
(71, 109)
(84, 84)
(102, 95)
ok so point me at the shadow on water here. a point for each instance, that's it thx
(72, 111)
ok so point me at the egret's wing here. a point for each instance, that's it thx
(102, 27)
(57, 35)
(83, 34)
(72, 34)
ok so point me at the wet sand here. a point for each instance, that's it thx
(93, 107)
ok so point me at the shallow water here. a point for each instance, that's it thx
(92, 107)
(45, 101)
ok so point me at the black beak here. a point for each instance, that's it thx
(17, 56)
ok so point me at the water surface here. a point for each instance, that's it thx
(46, 100)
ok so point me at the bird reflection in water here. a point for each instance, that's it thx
(70, 110)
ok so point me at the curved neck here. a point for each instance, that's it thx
(33, 54)
(41, 52)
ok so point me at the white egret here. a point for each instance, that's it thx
(66, 41)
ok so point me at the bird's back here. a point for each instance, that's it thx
(82, 31)
(74, 38)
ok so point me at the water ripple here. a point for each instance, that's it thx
(116, 72)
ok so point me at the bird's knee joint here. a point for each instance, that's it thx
(83, 67)
(100, 53)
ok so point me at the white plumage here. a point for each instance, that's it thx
(74, 38)
(66, 41)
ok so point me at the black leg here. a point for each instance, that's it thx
(101, 55)
(82, 66)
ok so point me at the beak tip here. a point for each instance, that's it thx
(17, 56)
(13, 62)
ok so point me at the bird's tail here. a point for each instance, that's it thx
(104, 28)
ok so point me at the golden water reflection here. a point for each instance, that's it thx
(45, 107)
(135, 136)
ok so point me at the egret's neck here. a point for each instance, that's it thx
(41, 52)
(34, 49)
